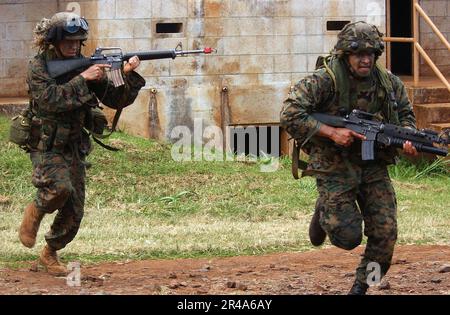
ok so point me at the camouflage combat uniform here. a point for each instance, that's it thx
(65, 108)
(343, 179)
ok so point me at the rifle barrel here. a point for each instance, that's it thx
(163, 54)
(151, 55)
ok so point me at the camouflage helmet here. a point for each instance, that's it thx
(357, 37)
(67, 25)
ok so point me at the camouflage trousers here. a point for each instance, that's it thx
(351, 196)
(60, 182)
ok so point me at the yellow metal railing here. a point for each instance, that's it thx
(418, 50)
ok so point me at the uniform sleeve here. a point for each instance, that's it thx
(52, 97)
(405, 110)
(121, 96)
(304, 99)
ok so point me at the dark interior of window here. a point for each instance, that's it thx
(164, 28)
(401, 26)
(336, 25)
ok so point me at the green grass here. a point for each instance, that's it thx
(142, 204)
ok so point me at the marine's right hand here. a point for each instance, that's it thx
(95, 72)
(345, 137)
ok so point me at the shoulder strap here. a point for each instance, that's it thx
(296, 162)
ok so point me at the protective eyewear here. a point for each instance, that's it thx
(74, 24)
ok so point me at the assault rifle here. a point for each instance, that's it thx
(380, 133)
(115, 58)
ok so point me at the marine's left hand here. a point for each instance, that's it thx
(132, 64)
(409, 149)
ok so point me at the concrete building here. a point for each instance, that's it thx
(263, 47)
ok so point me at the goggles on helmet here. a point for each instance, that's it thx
(74, 24)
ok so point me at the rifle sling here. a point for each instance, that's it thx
(296, 162)
(116, 119)
(107, 147)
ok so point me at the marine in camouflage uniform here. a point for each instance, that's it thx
(64, 108)
(350, 190)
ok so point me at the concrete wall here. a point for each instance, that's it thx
(438, 11)
(263, 47)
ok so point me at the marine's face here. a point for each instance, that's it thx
(362, 63)
(69, 48)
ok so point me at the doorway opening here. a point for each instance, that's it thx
(400, 19)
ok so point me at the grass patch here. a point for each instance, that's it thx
(142, 204)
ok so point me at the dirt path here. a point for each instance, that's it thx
(416, 270)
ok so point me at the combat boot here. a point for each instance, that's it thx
(316, 234)
(49, 260)
(358, 288)
(32, 218)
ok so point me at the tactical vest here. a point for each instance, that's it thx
(338, 72)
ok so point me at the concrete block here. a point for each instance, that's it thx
(142, 28)
(256, 64)
(196, 27)
(19, 30)
(218, 65)
(315, 44)
(275, 45)
(431, 41)
(207, 8)
(315, 26)
(12, 12)
(168, 43)
(231, 27)
(334, 8)
(299, 44)
(16, 68)
(370, 7)
(135, 118)
(112, 29)
(35, 11)
(280, 79)
(307, 8)
(256, 26)
(329, 41)
(127, 45)
(282, 8)
(282, 26)
(100, 9)
(250, 8)
(435, 7)
(169, 8)
(183, 66)
(290, 63)
(377, 20)
(154, 68)
(133, 9)
(2, 31)
(213, 42)
(256, 104)
(12, 48)
(240, 45)
(2, 68)
(240, 79)
(13, 87)
(298, 26)
(213, 27)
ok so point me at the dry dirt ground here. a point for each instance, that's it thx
(415, 270)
